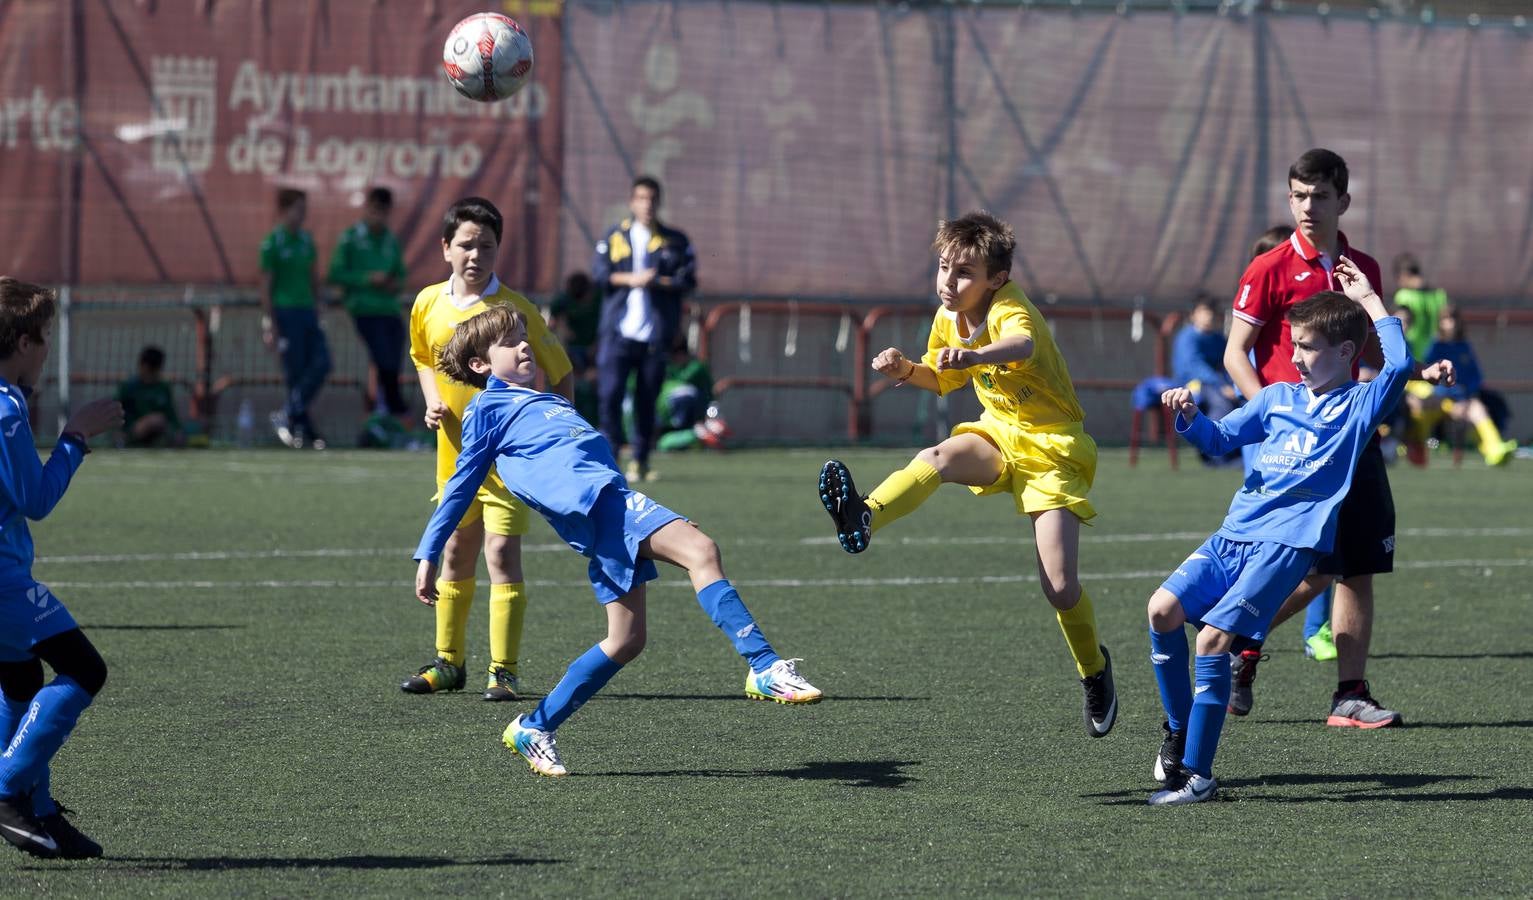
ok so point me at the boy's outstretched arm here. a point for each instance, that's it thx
(1239, 427)
(1384, 391)
(474, 464)
(896, 365)
(34, 487)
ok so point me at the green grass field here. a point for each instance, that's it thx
(255, 610)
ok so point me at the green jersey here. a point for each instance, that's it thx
(358, 256)
(289, 258)
(1426, 306)
(140, 398)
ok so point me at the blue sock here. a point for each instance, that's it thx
(1317, 613)
(11, 712)
(723, 605)
(1208, 705)
(585, 676)
(1168, 653)
(47, 722)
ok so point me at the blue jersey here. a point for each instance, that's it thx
(549, 457)
(1309, 447)
(28, 488)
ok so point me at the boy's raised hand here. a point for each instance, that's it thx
(425, 582)
(95, 417)
(1352, 279)
(1179, 399)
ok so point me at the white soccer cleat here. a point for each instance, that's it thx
(1185, 786)
(537, 747)
(781, 683)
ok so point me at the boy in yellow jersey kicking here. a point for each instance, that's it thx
(471, 233)
(1028, 443)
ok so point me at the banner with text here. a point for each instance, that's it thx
(144, 143)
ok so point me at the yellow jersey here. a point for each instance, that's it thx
(433, 318)
(1032, 393)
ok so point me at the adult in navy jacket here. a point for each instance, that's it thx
(646, 268)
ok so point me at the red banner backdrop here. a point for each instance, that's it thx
(144, 142)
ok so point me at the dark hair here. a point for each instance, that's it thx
(473, 338)
(1320, 166)
(1335, 316)
(25, 309)
(1407, 263)
(471, 209)
(1270, 239)
(646, 181)
(152, 356)
(1451, 313)
(287, 198)
(381, 196)
(577, 284)
(977, 234)
(1205, 300)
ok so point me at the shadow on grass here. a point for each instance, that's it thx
(879, 773)
(1524, 654)
(740, 695)
(1381, 788)
(366, 861)
(160, 627)
(1412, 726)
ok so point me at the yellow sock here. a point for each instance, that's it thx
(453, 601)
(1492, 447)
(1079, 623)
(508, 607)
(902, 492)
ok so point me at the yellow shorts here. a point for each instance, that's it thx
(1042, 469)
(503, 514)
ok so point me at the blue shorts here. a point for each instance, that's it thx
(1238, 586)
(29, 614)
(620, 520)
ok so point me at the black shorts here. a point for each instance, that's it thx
(1365, 524)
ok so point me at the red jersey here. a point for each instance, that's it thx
(1274, 282)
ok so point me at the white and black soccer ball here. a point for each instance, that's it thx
(487, 57)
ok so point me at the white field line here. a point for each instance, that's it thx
(404, 553)
(1486, 566)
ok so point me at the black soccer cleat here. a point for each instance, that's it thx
(437, 675)
(1100, 710)
(1172, 748)
(854, 521)
(24, 830)
(73, 844)
(1242, 677)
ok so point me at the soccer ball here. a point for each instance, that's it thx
(487, 57)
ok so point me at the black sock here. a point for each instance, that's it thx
(1354, 686)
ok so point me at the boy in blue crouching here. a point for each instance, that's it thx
(557, 464)
(1281, 521)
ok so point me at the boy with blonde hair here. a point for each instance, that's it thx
(557, 464)
(471, 233)
(1029, 442)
